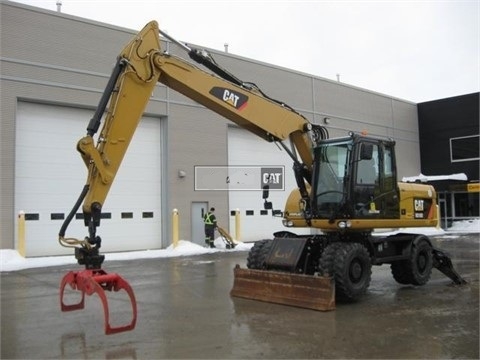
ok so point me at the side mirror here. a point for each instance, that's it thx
(267, 205)
(366, 151)
(266, 190)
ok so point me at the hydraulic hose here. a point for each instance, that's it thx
(74, 210)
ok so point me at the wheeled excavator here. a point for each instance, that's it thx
(346, 188)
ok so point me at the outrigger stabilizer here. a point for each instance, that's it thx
(93, 279)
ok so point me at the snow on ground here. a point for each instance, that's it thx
(465, 226)
(10, 260)
(468, 226)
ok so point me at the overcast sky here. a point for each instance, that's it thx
(414, 50)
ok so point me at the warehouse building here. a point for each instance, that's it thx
(449, 145)
(54, 68)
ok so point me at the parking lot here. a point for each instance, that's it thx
(185, 311)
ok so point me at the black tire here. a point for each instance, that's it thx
(258, 254)
(352, 271)
(422, 262)
(418, 269)
(327, 260)
(400, 272)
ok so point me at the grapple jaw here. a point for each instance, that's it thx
(92, 281)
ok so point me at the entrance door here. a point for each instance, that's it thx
(443, 213)
(198, 210)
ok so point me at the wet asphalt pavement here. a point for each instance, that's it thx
(185, 311)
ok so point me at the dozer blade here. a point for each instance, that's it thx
(98, 281)
(305, 291)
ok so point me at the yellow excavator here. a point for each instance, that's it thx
(346, 188)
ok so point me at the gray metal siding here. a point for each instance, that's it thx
(353, 109)
(196, 136)
(348, 108)
(56, 58)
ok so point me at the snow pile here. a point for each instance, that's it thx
(10, 260)
(427, 178)
(427, 231)
(465, 226)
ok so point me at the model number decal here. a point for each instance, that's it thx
(231, 97)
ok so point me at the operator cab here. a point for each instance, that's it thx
(355, 177)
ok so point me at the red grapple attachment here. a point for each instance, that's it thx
(98, 281)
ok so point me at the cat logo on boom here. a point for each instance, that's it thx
(231, 97)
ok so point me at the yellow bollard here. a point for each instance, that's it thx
(175, 231)
(438, 217)
(237, 224)
(21, 233)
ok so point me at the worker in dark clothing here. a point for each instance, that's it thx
(210, 222)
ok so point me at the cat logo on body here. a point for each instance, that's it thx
(231, 97)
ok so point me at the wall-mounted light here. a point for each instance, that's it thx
(326, 120)
(182, 174)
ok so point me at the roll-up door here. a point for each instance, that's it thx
(246, 149)
(49, 175)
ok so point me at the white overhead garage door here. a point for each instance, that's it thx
(246, 149)
(50, 174)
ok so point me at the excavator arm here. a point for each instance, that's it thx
(139, 67)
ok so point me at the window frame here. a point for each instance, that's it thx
(459, 138)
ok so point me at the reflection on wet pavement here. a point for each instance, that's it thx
(185, 311)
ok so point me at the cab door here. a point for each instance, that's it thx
(374, 188)
(389, 200)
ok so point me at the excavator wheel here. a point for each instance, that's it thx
(400, 272)
(327, 260)
(418, 268)
(352, 269)
(258, 254)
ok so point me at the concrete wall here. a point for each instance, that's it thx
(56, 58)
